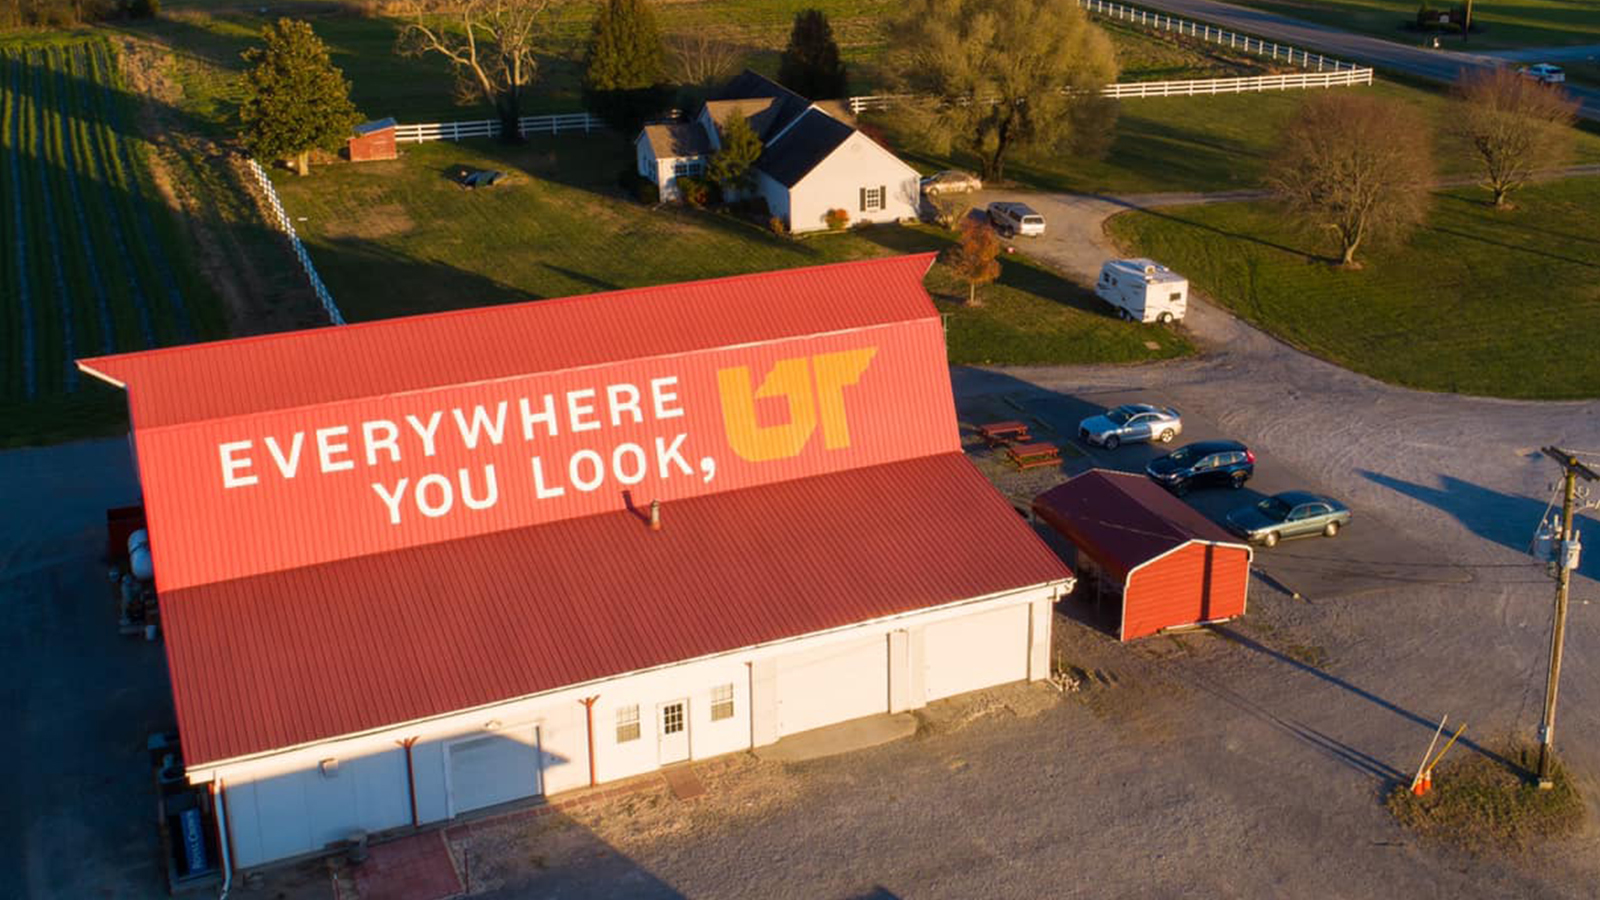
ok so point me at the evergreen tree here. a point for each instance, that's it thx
(733, 165)
(810, 66)
(625, 67)
(295, 99)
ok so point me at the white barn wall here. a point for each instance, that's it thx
(836, 183)
(282, 806)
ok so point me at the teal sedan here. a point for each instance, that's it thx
(1288, 515)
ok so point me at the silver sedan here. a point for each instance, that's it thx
(1131, 422)
(1288, 515)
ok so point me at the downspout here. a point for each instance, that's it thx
(411, 777)
(588, 715)
(219, 802)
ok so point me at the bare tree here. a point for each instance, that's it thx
(992, 76)
(491, 44)
(1515, 125)
(700, 59)
(1356, 166)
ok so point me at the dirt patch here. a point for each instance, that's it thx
(206, 184)
(1023, 701)
(375, 222)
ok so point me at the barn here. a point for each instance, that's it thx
(1138, 545)
(417, 568)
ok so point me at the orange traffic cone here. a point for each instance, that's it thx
(1424, 784)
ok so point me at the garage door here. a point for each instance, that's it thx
(833, 684)
(495, 768)
(976, 651)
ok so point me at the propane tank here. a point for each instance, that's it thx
(139, 561)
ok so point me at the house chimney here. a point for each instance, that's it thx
(655, 515)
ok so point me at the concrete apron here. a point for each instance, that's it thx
(846, 737)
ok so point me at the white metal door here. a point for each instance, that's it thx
(495, 768)
(976, 651)
(672, 729)
(833, 683)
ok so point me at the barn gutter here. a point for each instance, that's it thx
(588, 715)
(411, 777)
(224, 836)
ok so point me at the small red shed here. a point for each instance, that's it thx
(1169, 564)
(374, 140)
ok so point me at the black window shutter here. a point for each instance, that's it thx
(883, 196)
(863, 199)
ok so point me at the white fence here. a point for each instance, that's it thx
(1239, 85)
(1252, 84)
(326, 298)
(528, 125)
(1163, 22)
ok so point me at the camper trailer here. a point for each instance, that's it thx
(1143, 290)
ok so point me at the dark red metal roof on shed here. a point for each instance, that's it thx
(293, 657)
(323, 365)
(1122, 519)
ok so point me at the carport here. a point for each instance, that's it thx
(1165, 563)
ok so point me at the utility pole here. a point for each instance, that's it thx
(1566, 559)
(1466, 21)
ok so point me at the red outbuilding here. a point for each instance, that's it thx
(1166, 564)
(373, 141)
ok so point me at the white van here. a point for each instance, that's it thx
(1143, 290)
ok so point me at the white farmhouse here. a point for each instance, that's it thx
(811, 162)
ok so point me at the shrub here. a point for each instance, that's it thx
(776, 226)
(836, 219)
(144, 9)
(696, 191)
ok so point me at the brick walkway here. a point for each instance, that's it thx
(412, 868)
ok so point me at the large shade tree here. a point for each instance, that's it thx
(810, 65)
(1515, 126)
(991, 77)
(295, 99)
(492, 47)
(1356, 167)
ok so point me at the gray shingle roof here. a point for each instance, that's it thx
(806, 143)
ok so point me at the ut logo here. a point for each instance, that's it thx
(793, 380)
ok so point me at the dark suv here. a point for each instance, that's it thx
(1203, 464)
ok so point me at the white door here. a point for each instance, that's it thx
(833, 683)
(494, 768)
(976, 651)
(672, 729)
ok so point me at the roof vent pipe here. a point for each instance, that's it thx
(655, 515)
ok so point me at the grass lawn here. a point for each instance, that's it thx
(1468, 305)
(1498, 24)
(400, 238)
(1200, 144)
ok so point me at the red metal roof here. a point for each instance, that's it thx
(293, 657)
(1123, 519)
(302, 368)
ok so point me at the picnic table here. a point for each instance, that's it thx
(1028, 456)
(998, 433)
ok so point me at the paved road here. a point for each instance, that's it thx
(1590, 52)
(1436, 65)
